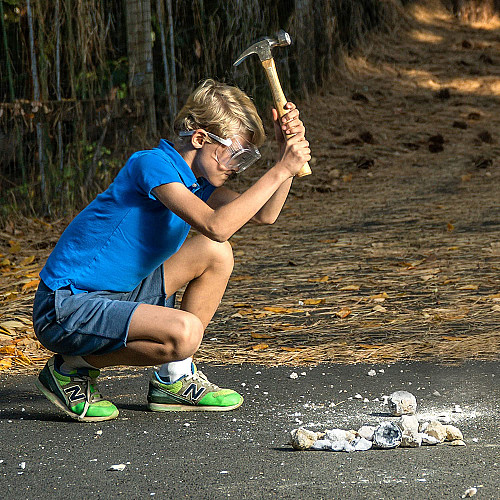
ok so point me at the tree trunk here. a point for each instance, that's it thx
(140, 57)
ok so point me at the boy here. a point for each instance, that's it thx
(103, 291)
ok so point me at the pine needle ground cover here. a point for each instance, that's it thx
(390, 251)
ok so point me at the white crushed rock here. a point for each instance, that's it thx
(409, 430)
(453, 433)
(366, 432)
(436, 429)
(402, 403)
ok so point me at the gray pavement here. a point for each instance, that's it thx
(245, 453)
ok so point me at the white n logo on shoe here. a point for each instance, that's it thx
(74, 393)
(193, 392)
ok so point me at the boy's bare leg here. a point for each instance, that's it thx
(158, 334)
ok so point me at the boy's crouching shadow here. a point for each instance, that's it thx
(132, 407)
(23, 405)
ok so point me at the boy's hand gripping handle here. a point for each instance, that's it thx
(280, 101)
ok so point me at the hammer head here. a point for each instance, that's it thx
(263, 47)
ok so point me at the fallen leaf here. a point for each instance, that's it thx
(329, 240)
(262, 336)
(5, 263)
(22, 359)
(11, 326)
(427, 277)
(449, 337)
(343, 313)
(468, 287)
(370, 346)
(244, 312)
(15, 247)
(324, 279)
(242, 304)
(292, 349)
(281, 327)
(30, 285)
(8, 349)
(5, 363)
(379, 308)
(496, 308)
(450, 227)
(260, 347)
(281, 309)
(380, 297)
(27, 260)
(494, 296)
(350, 287)
(313, 302)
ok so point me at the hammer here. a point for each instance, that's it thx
(263, 49)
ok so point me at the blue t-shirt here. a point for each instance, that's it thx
(126, 232)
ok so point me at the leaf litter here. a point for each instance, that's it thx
(389, 251)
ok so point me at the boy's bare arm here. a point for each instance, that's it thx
(221, 223)
(267, 214)
(272, 208)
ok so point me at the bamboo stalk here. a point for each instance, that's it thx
(12, 94)
(36, 97)
(161, 15)
(59, 97)
(173, 78)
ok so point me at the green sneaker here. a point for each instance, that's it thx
(191, 393)
(75, 394)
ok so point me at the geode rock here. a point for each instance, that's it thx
(402, 403)
(339, 435)
(408, 424)
(453, 433)
(366, 432)
(387, 435)
(436, 429)
(411, 440)
(303, 439)
(426, 439)
(322, 444)
(362, 444)
(358, 444)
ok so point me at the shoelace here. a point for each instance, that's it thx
(90, 397)
(205, 380)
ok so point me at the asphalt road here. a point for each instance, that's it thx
(245, 453)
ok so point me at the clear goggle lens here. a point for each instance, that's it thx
(238, 156)
(234, 153)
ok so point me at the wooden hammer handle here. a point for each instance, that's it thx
(280, 101)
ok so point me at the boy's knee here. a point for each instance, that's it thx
(220, 254)
(188, 337)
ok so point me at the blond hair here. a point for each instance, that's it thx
(222, 110)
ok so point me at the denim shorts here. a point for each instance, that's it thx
(92, 322)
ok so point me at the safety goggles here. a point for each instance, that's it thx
(234, 154)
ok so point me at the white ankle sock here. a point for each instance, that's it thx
(71, 363)
(173, 371)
